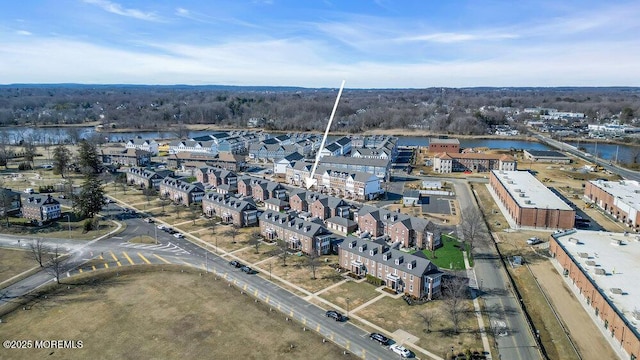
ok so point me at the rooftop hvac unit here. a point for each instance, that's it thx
(616, 291)
(517, 190)
(527, 202)
(583, 255)
(574, 241)
(591, 263)
(522, 195)
(636, 314)
(616, 242)
(599, 271)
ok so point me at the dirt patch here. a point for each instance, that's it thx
(584, 333)
(172, 315)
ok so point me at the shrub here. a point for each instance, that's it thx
(374, 280)
(24, 166)
(88, 225)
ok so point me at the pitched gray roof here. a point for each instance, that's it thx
(420, 266)
(347, 160)
(293, 223)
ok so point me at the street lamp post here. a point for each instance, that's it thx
(69, 224)
(452, 353)
(347, 307)
(156, 230)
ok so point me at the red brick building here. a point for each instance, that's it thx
(400, 271)
(529, 203)
(437, 145)
(603, 273)
(621, 199)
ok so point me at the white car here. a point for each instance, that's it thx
(178, 235)
(160, 227)
(400, 350)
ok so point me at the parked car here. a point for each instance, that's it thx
(381, 339)
(149, 220)
(28, 191)
(247, 270)
(533, 241)
(235, 263)
(335, 315)
(178, 235)
(160, 227)
(400, 350)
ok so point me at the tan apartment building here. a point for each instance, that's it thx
(240, 212)
(300, 235)
(445, 163)
(181, 192)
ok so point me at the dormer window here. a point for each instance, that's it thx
(386, 256)
(399, 260)
(411, 264)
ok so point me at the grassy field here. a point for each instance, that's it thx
(449, 256)
(14, 262)
(173, 315)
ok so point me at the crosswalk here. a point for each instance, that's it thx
(114, 259)
(169, 247)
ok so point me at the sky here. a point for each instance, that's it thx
(309, 43)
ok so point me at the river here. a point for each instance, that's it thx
(623, 153)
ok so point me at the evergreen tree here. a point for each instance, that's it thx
(91, 198)
(61, 159)
(88, 158)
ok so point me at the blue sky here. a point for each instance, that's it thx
(370, 44)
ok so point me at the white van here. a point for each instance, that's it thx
(28, 191)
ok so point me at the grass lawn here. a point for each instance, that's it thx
(357, 293)
(61, 228)
(299, 273)
(14, 262)
(393, 314)
(173, 315)
(449, 256)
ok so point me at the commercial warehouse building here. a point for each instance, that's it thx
(604, 269)
(529, 203)
(621, 199)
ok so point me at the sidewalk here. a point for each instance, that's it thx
(473, 283)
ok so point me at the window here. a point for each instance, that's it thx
(410, 288)
(410, 277)
(386, 268)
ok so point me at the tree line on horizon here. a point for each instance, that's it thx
(439, 110)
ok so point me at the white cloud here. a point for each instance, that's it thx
(117, 9)
(451, 37)
(23, 32)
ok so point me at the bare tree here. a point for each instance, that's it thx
(455, 291)
(232, 232)
(472, 225)
(282, 251)
(428, 316)
(255, 240)
(313, 262)
(178, 208)
(194, 212)
(55, 265)
(38, 252)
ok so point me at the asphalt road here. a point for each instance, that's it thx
(354, 339)
(625, 173)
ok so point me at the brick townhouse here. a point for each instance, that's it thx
(262, 190)
(300, 235)
(41, 208)
(145, 178)
(325, 207)
(181, 191)
(407, 230)
(400, 271)
(231, 210)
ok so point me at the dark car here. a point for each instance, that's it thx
(381, 339)
(235, 263)
(247, 270)
(335, 315)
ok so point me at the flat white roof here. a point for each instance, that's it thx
(444, 141)
(621, 264)
(626, 191)
(528, 191)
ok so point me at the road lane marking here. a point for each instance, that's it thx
(80, 270)
(144, 258)
(162, 259)
(93, 267)
(106, 266)
(128, 258)
(115, 258)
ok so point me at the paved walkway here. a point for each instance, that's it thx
(473, 283)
